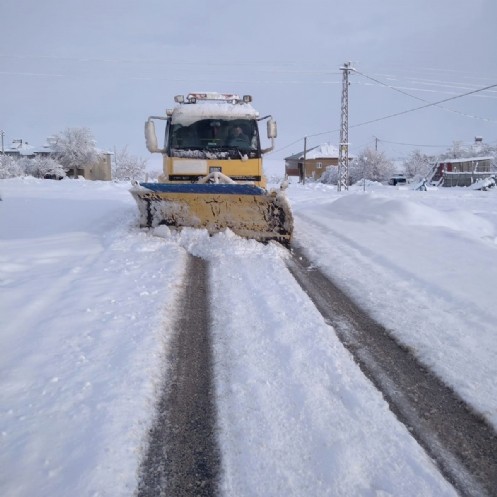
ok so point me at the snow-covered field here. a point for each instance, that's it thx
(87, 299)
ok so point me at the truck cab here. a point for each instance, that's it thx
(212, 132)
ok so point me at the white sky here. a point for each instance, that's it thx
(107, 65)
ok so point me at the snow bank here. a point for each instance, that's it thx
(83, 295)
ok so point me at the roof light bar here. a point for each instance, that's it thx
(227, 97)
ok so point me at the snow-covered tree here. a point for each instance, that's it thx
(10, 167)
(358, 170)
(153, 175)
(457, 151)
(371, 164)
(330, 176)
(418, 164)
(45, 167)
(127, 166)
(460, 151)
(74, 148)
(483, 149)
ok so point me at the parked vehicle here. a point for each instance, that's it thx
(397, 179)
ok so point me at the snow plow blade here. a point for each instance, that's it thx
(247, 210)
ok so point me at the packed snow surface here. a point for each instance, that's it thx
(87, 302)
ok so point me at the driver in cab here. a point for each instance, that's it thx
(238, 138)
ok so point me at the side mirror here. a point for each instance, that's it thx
(272, 130)
(151, 137)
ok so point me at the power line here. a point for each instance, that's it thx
(434, 87)
(431, 103)
(411, 144)
(289, 145)
(129, 77)
(257, 65)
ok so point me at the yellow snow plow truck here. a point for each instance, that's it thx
(213, 176)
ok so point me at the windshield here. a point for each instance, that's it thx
(208, 137)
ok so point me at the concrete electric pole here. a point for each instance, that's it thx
(343, 156)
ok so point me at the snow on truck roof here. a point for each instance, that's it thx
(209, 105)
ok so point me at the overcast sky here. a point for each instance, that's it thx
(109, 64)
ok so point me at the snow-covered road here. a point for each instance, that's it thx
(423, 264)
(87, 301)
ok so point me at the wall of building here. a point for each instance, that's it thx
(464, 172)
(101, 171)
(314, 168)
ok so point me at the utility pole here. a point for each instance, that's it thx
(305, 157)
(2, 134)
(343, 157)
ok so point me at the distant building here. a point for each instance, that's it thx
(461, 172)
(317, 159)
(19, 149)
(100, 170)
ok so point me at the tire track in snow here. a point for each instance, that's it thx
(462, 444)
(183, 457)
